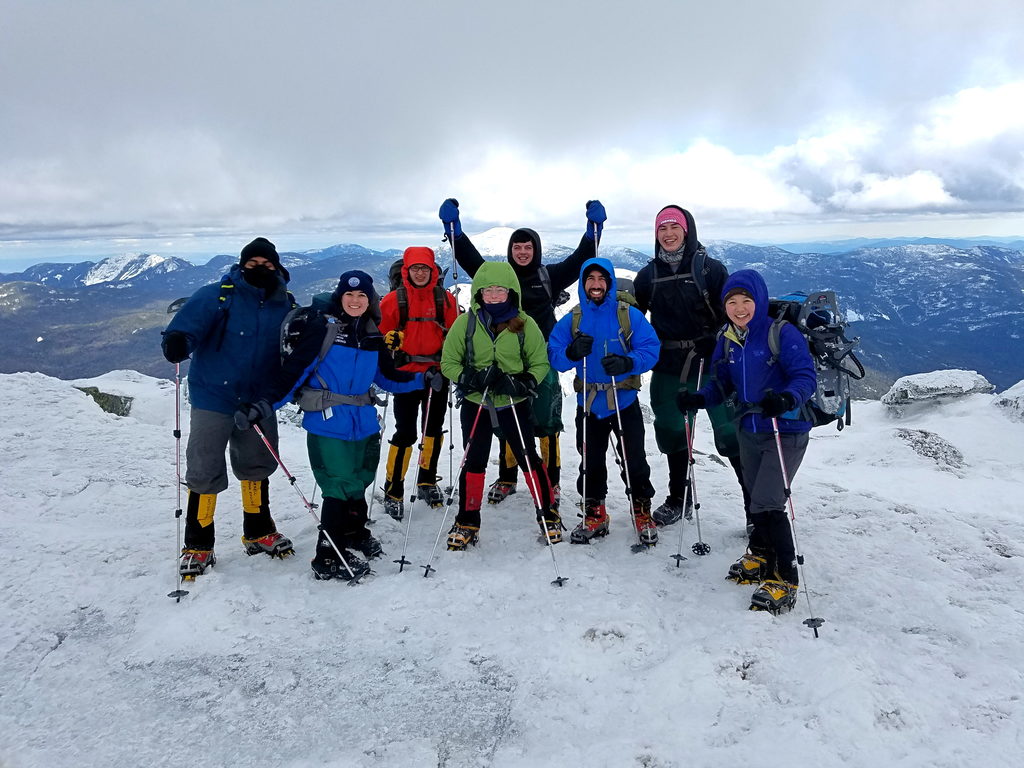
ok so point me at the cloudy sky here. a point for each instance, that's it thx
(186, 127)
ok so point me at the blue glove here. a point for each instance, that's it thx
(250, 413)
(449, 215)
(595, 215)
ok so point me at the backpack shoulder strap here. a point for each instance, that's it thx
(775, 339)
(699, 269)
(545, 279)
(403, 305)
(577, 316)
(625, 324)
(440, 294)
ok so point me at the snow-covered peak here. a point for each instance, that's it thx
(128, 266)
(493, 242)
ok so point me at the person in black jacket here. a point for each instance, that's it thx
(541, 285)
(681, 287)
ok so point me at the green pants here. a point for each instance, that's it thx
(343, 468)
(669, 429)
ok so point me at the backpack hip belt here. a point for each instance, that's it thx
(593, 387)
(312, 399)
(684, 345)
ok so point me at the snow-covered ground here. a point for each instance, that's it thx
(914, 556)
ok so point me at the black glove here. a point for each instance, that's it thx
(690, 401)
(705, 346)
(249, 413)
(579, 347)
(176, 346)
(476, 380)
(433, 378)
(774, 404)
(516, 385)
(616, 365)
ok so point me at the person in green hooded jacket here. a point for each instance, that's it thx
(496, 354)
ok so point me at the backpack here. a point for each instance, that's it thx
(699, 271)
(818, 318)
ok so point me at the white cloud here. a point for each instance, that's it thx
(918, 190)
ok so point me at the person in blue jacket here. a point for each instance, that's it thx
(593, 340)
(338, 354)
(231, 331)
(768, 393)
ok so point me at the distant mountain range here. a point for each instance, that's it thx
(916, 306)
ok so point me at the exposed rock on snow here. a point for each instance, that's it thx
(933, 447)
(1012, 401)
(934, 386)
(119, 405)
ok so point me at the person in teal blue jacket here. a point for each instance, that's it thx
(337, 357)
(605, 340)
(231, 331)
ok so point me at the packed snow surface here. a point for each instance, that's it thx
(917, 571)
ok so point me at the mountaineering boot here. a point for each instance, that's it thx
(259, 533)
(430, 452)
(199, 528)
(499, 491)
(273, 544)
(362, 541)
(645, 526)
(327, 565)
(353, 519)
(194, 562)
(774, 596)
(461, 536)
(394, 473)
(594, 524)
(394, 507)
(551, 527)
(430, 493)
(556, 497)
(672, 511)
(749, 569)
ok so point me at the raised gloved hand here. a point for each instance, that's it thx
(449, 215)
(393, 340)
(616, 365)
(595, 215)
(176, 346)
(774, 404)
(433, 378)
(250, 413)
(579, 347)
(516, 385)
(690, 401)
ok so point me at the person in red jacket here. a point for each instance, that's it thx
(414, 320)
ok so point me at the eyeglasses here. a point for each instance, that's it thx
(495, 290)
(419, 268)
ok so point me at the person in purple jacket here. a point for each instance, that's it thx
(769, 392)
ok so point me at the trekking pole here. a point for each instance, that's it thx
(639, 546)
(811, 621)
(535, 493)
(428, 568)
(583, 456)
(178, 593)
(451, 389)
(373, 488)
(402, 562)
(700, 547)
(309, 505)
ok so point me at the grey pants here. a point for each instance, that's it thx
(762, 475)
(209, 434)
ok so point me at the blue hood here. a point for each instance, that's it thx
(606, 266)
(751, 281)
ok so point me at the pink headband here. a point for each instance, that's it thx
(671, 214)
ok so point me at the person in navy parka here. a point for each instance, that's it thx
(767, 391)
(598, 338)
(338, 355)
(231, 331)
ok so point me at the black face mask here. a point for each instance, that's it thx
(261, 276)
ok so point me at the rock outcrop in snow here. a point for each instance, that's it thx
(1012, 401)
(933, 387)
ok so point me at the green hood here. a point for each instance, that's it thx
(495, 273)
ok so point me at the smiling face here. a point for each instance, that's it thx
(596, 286)
(354, 303)
(739, 308)
(522, 253)
(419, 275)
(671, 236)
(494, 294)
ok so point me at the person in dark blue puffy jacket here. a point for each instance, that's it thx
(769, 394)
(231, 331)
(592, 340)
(338, 355)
